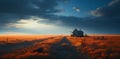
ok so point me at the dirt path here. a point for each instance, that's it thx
(64, 50)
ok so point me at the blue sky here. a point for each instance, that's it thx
(85, 7)
(59, 16)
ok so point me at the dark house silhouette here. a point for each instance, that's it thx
(77, 33)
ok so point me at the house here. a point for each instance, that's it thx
(77, 33)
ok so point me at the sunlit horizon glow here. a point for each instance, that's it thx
(36, 26)
(29, 24)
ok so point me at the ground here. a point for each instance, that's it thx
(62, 47)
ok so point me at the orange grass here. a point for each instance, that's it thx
(97, 48)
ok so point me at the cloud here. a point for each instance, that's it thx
(107, 18)
(27, 7)
(76, 9)
(36, 25)
(29, 24)
(17, 14)
(14, 10)
(112, 9)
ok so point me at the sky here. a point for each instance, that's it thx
(59, 16)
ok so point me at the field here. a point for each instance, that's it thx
(59, 47)
(98, 47)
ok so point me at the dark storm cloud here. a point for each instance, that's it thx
(27, 7)
(91, 25)
(13, 10)
(111, 10)
(107, 18)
